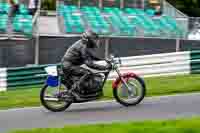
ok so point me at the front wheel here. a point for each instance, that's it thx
(131, 91)
(49, 99)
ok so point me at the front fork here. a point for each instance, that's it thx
(123, 80)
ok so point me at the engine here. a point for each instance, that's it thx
(93, 84)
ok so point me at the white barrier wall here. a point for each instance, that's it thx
(156, 65)
(3, 79)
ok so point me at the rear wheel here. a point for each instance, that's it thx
(49, 97)
(131, 93)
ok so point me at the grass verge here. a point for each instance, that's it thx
(167, 126)
(155, 86)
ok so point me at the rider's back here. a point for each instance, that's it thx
(74, 54)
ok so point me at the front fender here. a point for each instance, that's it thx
(125, 76)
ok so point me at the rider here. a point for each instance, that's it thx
(82, 52)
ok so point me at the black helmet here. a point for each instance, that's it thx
(91, 38)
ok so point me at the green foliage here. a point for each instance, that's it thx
(190, 7)
(48, 4)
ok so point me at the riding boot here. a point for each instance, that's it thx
(74, 91)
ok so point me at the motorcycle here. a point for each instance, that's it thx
(128, 88)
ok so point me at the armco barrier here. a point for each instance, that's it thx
(149, 65)
(25, 76)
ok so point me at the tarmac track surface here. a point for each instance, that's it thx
(165, 107)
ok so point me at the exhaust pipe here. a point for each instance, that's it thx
(53, 99)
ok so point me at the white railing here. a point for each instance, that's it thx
(156, 65)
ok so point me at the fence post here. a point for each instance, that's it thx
(79, 3)
(37, 39)
(107, 47)
(121, 4)
(37, 50)
(100, 4)
(177, 45)
(143, 4)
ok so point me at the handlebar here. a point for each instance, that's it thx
(111, 60)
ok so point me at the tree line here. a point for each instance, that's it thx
(189, 7)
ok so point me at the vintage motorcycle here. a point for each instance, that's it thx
(128, 88)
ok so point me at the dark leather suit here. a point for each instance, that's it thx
(78, 54)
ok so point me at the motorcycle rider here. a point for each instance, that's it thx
(82, 52)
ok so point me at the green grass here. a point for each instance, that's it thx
(168, 126)
(155, 86)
